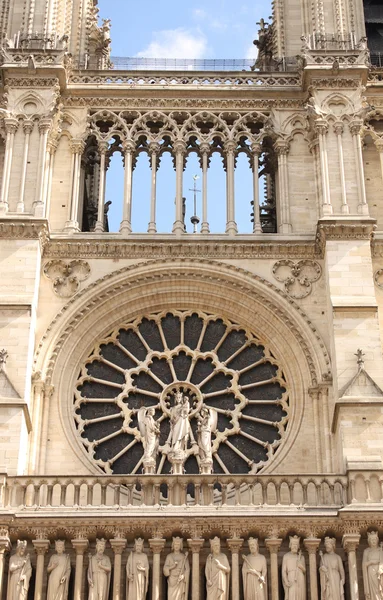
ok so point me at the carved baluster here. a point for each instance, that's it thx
(104, 487)
(381, 489)
(224, 494)
(312, 545)
(195, 546)
(304, 492)
(278, 493)
(291, 493)
(235, 544)
(76, 499)
(118, 545)
(89, 494)
(157, 493)
(116, 495)
(368, 489)
(63, 488)
(80, 545)
(273, 545)
(353, 494)
(156, 545)
(197, 491)
(41, 547)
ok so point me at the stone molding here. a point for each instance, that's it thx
(176, 103)
(346, 229)
(25, 229)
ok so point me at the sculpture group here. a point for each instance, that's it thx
(217, 572)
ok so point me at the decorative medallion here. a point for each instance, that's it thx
(298, 277)
(181, 392)
(66, 277)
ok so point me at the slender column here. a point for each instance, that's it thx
(77, 148)
(256, 151)
(154, 150)
(39, 206)
(195, 546)
(126, 223)
(312, 545)
(273, 545)
(338, 128)
(156, 545)
(41, 547)
(28, 128)
(321, 127)
(235, 544)
(103, 148)
(231, 225)
(118, 545)
(205, 153)
(282, 148)
(379, 147)
(42, 447)
(5, 545)
(11, 126)
(38, 399)
(326, 428)
(314, 395)
(180, 150)
(52, 147)
(313, 147)
(350, 543)
(80, 545)
(355, 127)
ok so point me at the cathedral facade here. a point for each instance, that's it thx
(192, 415)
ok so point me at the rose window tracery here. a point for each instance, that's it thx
(219, 397)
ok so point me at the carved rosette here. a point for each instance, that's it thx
(66, 276)
(298, 276)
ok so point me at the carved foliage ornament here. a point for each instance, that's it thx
(297, 277)
(66, 276)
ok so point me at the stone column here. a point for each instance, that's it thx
(180, 150)
(5, 546)
(41, 547)
(156, 545)
(282, 149)
(231, 225)
(39, 206)
(235, 544)
(273, 545)
(350, 542)
(338, 128)
(11, 126)
(256, 151)
(379, 147)
(52, 148)
(321, 128)
(355, 128)
(126, 223)
(80, 545)
(154, 150)
(77, 148)
(103, 148)
(312, 545)
(28, 128)
(195, 546)
(204, 152)
(118, 545)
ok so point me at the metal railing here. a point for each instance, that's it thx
(180, 64)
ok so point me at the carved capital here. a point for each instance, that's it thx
(154, 148)
(28, 125)
(282, 147)
(196, 545)
(44, 125)
(80, 545)
(356, 127)
(129, 147)
(312, 545)
(77, 146)
(41, 546)
(338, 127)
(11, 125)
(379, 144)
(103, 146)
(350, 542)
(118, 545)
(256, 149)
(157, 545)
(229, 147)
(204, 148)
(273, 545)
(179, 147)
(235, 544)
(321, 127)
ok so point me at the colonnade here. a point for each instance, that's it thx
(234, 548)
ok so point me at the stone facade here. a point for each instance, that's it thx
(275, 337)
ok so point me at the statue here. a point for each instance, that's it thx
(137, 572)
(294, 572)
(372, 566)
(207, 423)
(179, 423)
(20, 571)
(177, 570)
(150, 433)
(217, 572)
(99, 573)
(254, 573)
(331, 572)
(59, 573)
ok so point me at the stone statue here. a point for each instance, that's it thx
(137, 572)
(59, 573)
(207, 423)
(331, 572)
(217, 573)
(99, 573)
(294, 572)
(372, 566)
(150, 432)
(179, 423)
(20, 571)
(177, 570)
(254, 573)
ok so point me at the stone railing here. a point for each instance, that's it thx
(218, 491)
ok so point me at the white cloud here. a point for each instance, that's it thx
(251, 52)
(176, 43)
(199, 13)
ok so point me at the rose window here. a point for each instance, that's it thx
(213, 392)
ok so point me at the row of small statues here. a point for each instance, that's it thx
(217, 571)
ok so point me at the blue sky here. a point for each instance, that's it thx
(176, 29)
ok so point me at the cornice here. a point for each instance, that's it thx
(344, 229)
(31, 229)
(154, 248)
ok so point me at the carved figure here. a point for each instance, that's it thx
(294, 572)
(179, 422)
(331, 572)
(99, 573)
(217, 573)
(20, 571)
(254, 573)
(149, 431)
(372, 566)
(137, 572)
(207, 423)
(59, 573)
(177, 570)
